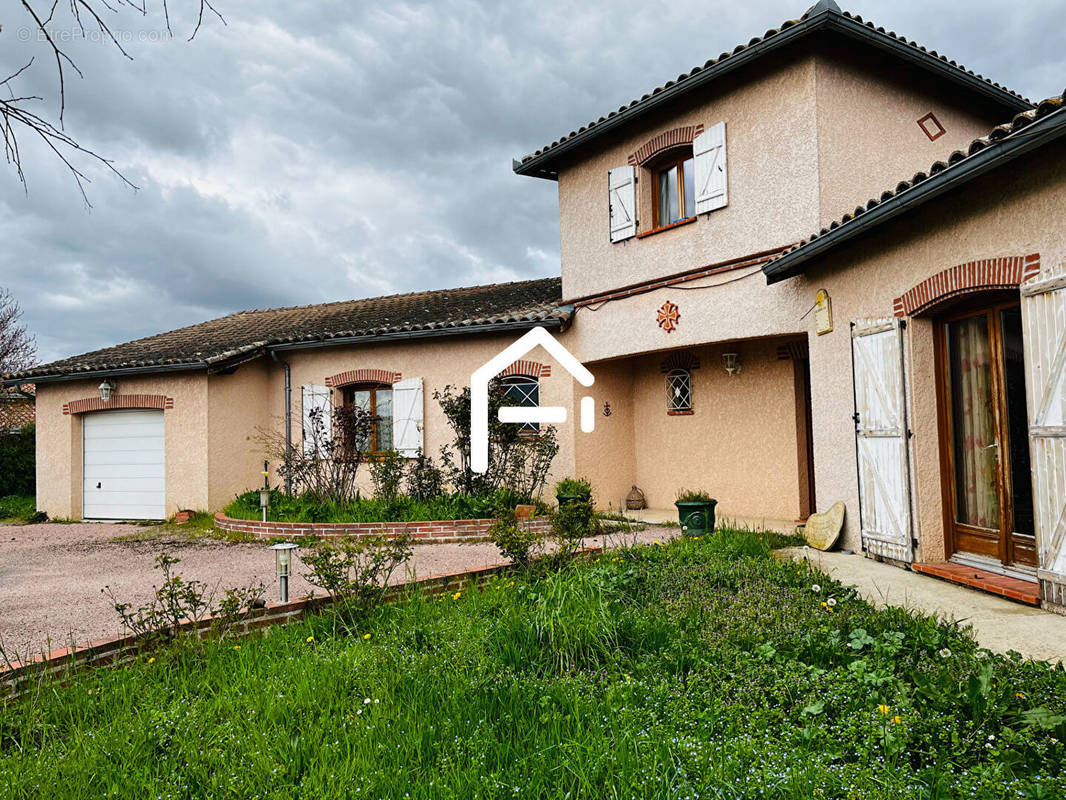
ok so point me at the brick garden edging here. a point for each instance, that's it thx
(449, 530)
(20, 676)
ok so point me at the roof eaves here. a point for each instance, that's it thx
(1025, 133)
(825, 15)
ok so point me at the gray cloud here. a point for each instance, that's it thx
(316, 150)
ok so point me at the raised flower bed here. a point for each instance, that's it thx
(449, 530)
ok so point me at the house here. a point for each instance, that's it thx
(16, 407)
(906, 358)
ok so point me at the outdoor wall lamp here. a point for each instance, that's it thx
(731, 361)
(107, 388)
(283, 553)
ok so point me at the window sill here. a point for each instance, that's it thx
(671, 226)
(686, 413)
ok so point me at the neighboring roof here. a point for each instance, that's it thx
(1026, 132)
(824, 16)
(247, 334)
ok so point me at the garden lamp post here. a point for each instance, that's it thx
(283, 552)
(264, 493)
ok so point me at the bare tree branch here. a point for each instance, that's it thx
(16, 117)
(18, 349)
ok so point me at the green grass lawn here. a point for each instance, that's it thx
(17, 507)
(702, 669)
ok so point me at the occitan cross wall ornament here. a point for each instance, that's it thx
(669, 316)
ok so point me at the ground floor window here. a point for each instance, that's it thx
(376, 400)
(679, 390)
(524, 392)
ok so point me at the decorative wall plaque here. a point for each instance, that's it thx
(669, 316)
(823, 313)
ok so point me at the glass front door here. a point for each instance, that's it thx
(989, 486)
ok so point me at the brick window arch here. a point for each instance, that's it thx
(1007, 272)
(363, 376)
(664, 141)
(532, 369)
(86, 404)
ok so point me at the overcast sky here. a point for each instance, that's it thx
(314, 150)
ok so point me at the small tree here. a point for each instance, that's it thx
(518, 461)
(327, 464)
(18, 348)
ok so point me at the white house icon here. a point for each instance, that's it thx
(479, 394)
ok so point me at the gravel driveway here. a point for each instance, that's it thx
(52, 575)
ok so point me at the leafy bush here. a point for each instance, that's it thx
(571, 523)
(515, 543)
(178, 600)
(518, 462)
(424, 478)
(18, 461)
(386, 471)
(574, 487)
(355, 572)
(693, 496)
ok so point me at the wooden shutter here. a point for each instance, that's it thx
(316, 397)
(712, 185)
(622, 183)
(407, 417)
(881, 438)
(1044, 325)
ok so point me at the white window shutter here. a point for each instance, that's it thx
(881, 438)
(622, 185)
(712, 184)
(316, 397)
(407, 417)
(1043, 310)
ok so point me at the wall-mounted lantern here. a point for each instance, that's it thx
(731, 362)
(107, 388)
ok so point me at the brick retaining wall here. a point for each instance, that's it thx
(450, 530)
(20, 676)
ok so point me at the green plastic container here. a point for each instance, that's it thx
(697, 516)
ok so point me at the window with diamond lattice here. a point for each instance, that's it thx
(679, 390)
(524, 392)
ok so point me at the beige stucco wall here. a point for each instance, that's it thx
(772, 151)
(739, 443)
(241, 407)
(868, 107)
(59, 453)
(1014, 211)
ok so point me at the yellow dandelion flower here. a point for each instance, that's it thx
(310, 639)
(883, 710)
(151, 660)
(897, 719)
(457, 595)
(1019, 695)
(825, 604)
(366, 635)
(236, 647)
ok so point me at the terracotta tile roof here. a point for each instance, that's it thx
(16, 409)
(992, 145)
(248, 333)
(823, 15)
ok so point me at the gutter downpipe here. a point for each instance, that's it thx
(288, 415)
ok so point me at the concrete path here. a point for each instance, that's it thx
(999, 625)
(53, 576)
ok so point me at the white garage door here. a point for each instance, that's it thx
(124, 475)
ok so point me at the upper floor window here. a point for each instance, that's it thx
(376, 400)
(524, 392)
(675, 191)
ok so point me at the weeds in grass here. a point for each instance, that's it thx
(703, 668)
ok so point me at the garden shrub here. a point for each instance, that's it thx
(424, 478)
(18, 461)
(386, 471)
(515, 543)
(574, 487)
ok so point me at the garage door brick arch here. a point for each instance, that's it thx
(150, 401)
